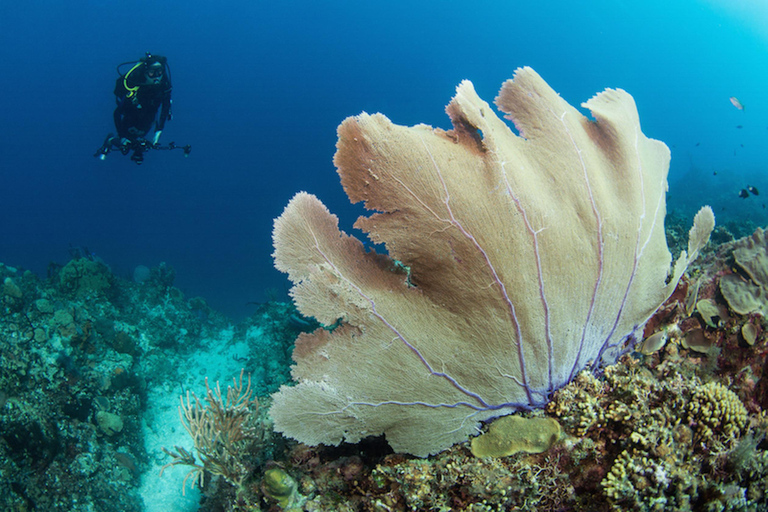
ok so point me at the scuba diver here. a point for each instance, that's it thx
(140, 94)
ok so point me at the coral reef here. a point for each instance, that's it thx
(675, 429)
(683, 427)
(646, 436)
(83, 277)
(69, 436)
(79, 350)
(666, 434)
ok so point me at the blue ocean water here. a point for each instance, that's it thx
(260, 87)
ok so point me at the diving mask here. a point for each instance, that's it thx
(154, 73)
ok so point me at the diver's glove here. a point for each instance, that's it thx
(156, 139)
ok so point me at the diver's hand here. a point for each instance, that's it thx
(123, 145)
(156, 139)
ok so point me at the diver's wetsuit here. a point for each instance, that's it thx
(136, 111)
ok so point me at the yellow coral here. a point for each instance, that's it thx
(636, 482)
(577, 404)
(615, 482)
(717, 411)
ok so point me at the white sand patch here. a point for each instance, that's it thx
(219, 360)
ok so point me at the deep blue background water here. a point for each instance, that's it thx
(260, 87)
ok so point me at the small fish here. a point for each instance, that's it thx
(744, 193)
(714, 173)
(753, 190)
(736, 103)
(739, 126)
(698, 144)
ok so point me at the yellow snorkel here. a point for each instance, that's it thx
(131, 90)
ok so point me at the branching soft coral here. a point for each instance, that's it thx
(223, 431)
